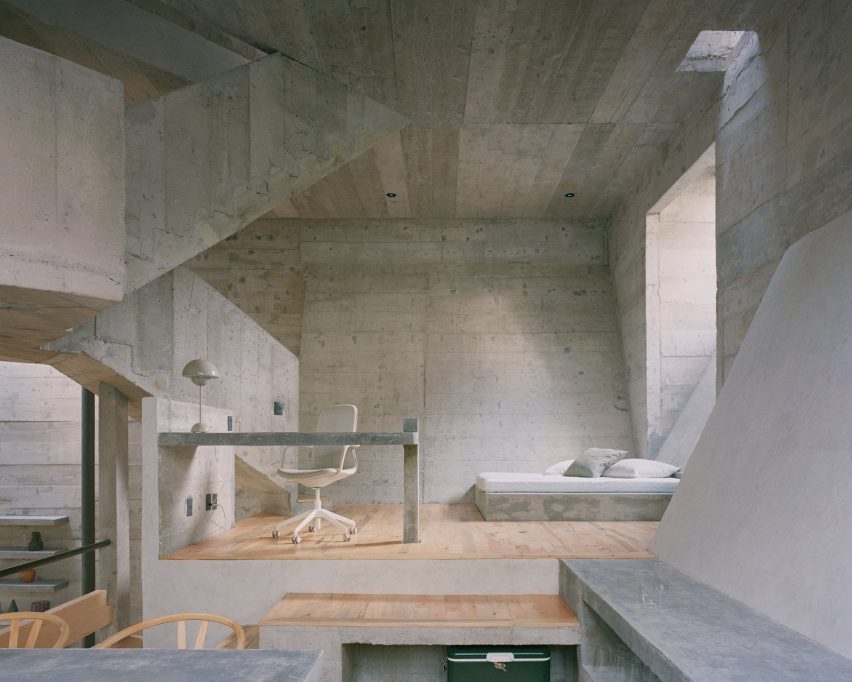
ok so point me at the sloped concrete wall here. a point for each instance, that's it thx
(763, 511)
(61, 175)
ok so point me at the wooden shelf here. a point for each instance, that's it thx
(38, 585)
(24, 553)
(31, 520)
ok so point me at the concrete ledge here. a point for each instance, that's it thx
(316, 438)
(698, 633)
(333, 640)
(572, 506)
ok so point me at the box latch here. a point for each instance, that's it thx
(500, 659)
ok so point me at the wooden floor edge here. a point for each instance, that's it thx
(367, 623)
(414, 557)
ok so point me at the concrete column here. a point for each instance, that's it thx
(113, 505)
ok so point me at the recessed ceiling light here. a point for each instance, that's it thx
(569, 195)
(390, 195)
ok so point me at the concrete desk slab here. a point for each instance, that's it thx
(163, 665)
(408, 438)
(698, 634)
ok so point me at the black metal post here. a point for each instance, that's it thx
(88, 497)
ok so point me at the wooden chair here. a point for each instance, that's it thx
(38, 620)
(181, 619)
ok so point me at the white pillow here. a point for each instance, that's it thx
(640, 468)
(559, 468)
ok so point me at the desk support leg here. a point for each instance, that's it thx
(411, 487)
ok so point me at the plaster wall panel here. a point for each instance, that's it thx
(61, 176)
(776, 448)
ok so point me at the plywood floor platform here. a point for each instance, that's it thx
(447, 532)
(400, 610)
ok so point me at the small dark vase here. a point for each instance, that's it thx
(13, 606)
(36, 543)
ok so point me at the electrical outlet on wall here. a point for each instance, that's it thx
(189, 506)
(211, 501)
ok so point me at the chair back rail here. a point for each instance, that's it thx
(181, 619)
(25, 627)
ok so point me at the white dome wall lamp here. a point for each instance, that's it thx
(200, 371)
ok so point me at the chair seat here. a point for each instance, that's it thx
(314, 478)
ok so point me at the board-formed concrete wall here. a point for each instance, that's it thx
(61, 175)
(762, 513)
(500, 336)
(149, 337)
(783, 169)
(40, 467)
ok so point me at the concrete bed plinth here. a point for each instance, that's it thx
(572, 506)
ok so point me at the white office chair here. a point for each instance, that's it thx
(337, 418)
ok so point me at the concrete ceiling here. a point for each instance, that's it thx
(513, 103)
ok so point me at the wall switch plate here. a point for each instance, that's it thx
(278, 408)
(211, 501)
(189, 506)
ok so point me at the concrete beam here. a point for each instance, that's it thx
(143, 35)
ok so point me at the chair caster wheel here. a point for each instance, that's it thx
(275, 534)
(312, 529)
(354, 530)
(296, 539)
(347, 537)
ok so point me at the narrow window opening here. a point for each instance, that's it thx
(681, 308)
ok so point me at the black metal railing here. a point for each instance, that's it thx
(59, 556)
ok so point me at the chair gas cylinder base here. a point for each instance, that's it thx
(313, 520)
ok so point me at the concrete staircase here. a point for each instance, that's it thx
(208, 159)
(134, 194)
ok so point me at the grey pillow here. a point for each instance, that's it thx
(593, 462)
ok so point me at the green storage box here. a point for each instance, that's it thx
(508, 664)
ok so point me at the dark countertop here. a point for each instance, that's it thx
(162, 665)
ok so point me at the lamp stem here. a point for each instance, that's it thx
(199, 406)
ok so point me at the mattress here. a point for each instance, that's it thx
(504, 482)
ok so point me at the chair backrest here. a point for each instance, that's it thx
(181, 619)
(22, 618)
(335, 418)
